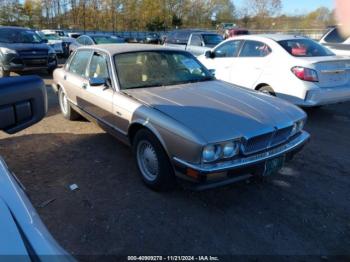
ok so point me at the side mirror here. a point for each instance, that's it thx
(98, 81)
(23, 102)
(209, 54)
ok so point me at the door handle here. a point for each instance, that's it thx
(84, 86)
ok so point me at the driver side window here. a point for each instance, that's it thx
(228, 49)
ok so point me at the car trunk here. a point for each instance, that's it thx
(332, 71)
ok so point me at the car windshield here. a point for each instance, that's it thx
(159, 68)
(51, 37)
(304, 48)
(212, 40)
(19, 36)
(105, 40)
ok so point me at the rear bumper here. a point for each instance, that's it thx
(326, 96)
(213, 175)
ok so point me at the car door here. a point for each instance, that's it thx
(223, 59)
(250, 63)
(195, 45)
(98, 99)
(75, 77)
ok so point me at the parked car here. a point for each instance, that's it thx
(22, 49)
(336, 42)
(294, 68)
(53, 40)
(232, 32)
(94, 39)
(152, 38)
(178, 119)
(63, 36)
(73, 35)
(180, 36)
(23, 237)
(199, 43)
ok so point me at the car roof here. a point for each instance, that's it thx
(274, 37)
(113, 49)
(15, 28)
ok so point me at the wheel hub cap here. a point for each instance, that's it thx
(147, 160)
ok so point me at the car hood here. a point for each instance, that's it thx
(23, 46)
(218, 111)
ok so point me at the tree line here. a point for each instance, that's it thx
(154, 15)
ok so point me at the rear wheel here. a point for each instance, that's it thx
(152, 162)
(3, 72)
(267, 90)
(67, 111)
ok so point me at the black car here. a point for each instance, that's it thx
(95, 39)
(152, 38)
(22, 49)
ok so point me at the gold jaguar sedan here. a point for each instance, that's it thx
(182, 123)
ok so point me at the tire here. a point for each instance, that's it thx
(267, 90)
(158, 175)
(4, 73)
(66, 110)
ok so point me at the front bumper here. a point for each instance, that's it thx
(326, 96)
(212, 175)
(17, 64)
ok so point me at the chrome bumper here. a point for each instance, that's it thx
(289, 147)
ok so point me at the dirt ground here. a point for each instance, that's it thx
(305, 210)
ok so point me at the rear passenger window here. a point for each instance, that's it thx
(196, 40)
(98, 67)
(335, 37)
(80, 62)
(255, 49)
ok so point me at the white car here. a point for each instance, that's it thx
(336, 42)
(54, 41)
(294, 68)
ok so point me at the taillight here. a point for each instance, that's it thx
(305, 74)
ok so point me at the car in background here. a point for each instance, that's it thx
(294, 68)
(180, 36)
(53, 41)
(152, 38)
(336, 42)
(66, 40)
(24, 237)
(179, 120)
(22, 49)
(73, 35)
(94, 39)
(232, 32)
(200, 42)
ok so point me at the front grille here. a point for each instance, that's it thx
(33, 53)
(281, 136)
(35, 62)
(266, 141)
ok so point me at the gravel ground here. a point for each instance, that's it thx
(305, 210)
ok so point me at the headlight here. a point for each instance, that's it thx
(6, 51)
(230, 149)
(298, 126)
(211, 153)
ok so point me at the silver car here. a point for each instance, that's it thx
(179, 120)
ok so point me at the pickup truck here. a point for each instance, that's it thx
(198, 43)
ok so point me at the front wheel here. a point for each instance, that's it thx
(67, 111)
(267, 90)
(152, 162)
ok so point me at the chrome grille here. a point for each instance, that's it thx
(266, 141)
(281, 136)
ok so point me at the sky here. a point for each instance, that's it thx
(298, 6)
